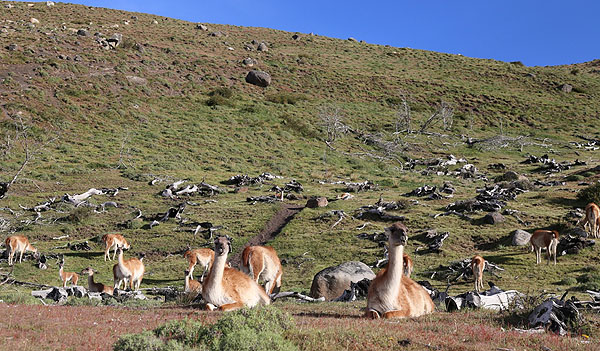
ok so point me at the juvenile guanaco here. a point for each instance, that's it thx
(192, 285)
(393, 294)
(18, 243)
(544, 238)
(262, 262)
(408, 265)
(131, 270)
(203, 256)
(96, 287)
(592, 218)
(114, 241)
(229, 288)
(477, 266)
(66, 276)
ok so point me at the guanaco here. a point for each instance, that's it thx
(203, 256)
(393, 294)
(17, 243)
(113, 241)
(128, 271)
(544, 238)
(228, 288)
(477, 266)
(262, 262)
(66, 276)
(96, 287)
(192, 285)
(408, 265)
(592, 218)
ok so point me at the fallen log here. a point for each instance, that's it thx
(296, 295)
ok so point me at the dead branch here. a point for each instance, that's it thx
(295, 295)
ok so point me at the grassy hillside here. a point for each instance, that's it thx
(171, 101)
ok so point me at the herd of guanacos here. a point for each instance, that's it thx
(392, 293)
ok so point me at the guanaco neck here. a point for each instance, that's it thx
(122, 265)
(395, 268)
(60, 271)
(216, 272)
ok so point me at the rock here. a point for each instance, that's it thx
(136, 80)
(12, 47)
(254, 42)
(333, 281)
(250, 62)
(520, 238)
(507, 177)
(34, 20)
(42, 294)
(8, 6)
(49, 3)
(201, 27)
(217, 34)
(83, 33)
(134, 18)
(154, 22)
(262, 47)
(352, 39)
(58, 294)
(95, 296)
(576, 231)
(77, 291)
(259, 78)
(493, 218)
(296, 37)
(317, 202)
(115, 40)
(566, 88)
(140, 48)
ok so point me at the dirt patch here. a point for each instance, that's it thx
(271, 229)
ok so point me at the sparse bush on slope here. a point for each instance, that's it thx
(590, 194)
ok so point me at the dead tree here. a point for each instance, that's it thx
(444, 113)
(332, 120)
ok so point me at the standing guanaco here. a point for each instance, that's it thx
(544, 238)
(66, 276)
(96, 287)
(114, 241)
(262, 262)
(393, 294)
(131, 270)
(229, 288)
(18, 243)
(477, 266)
(203, 256)
(592, 218)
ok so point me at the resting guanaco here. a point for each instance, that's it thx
(131, 270)
(262, 262)
(66, 276)
(192, 285)
(229, 288)
(544, 238)
(477, 266)
(592, 218)
(114, 241)
(393, 294)
(96, 287)
(17, 243)
(408, 265)
(203, 256)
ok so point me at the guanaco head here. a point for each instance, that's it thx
(88, 271)
(61, 261)
(222, 245)
(398, 234)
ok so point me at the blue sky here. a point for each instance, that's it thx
(537, 33)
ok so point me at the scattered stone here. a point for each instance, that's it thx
(8, 6)
(217, 34)
(77, 291)
(115, 40)
(12, 47)
(331, 282)
(317, 202)
(250, 62)
(296, 37)
(139, 47)
(507, 177)
(244, 179)
(58, 294)
(134, 18)
(572, 245)
(201, 27)
(154, 22)
(493, 218)
(258, 78)
(49, 3)
(33, 20)
(566, 88)
(520, 238)
(262, 47)
(352, 40)
(136, 80)
(497, 166)
(42, 294)
(82, 32)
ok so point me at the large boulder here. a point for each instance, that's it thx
(58, 294)
(331, 282)
(259, 78)
(77, 291)
(317, 202)
(493, 218)
(520, 238)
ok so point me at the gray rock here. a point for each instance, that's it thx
(77, 291)
(95, 296)
(139, 47)
(493, 218)
(566, 88)
(259, 78)
(296, 37)
(115, 40)
(136, 80)
(83, 33)
(12, 47)
(333, 281)
(42, 294)
(254, 42)
(58, 294)
(576, 231)
(352, 39)
(317, 202)
(217, 34)
(250, 62)
(520, 238)
(507, 177)
(201, 27)
(262, 47)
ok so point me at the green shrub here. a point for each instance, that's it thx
(218, 100)
(589, 281)
(574, 178)
(590, 194)
(222, 92)
(286, 98)
(79, 214)
(570, 281)
(146, 341)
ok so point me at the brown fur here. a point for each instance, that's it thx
(204, 257)
(191, 285)
(113, 241)
(544, 238)
(477, 266)
(392, 294)
(408, 265)
(131, 270)
(67, 276)
(229, 288)
(592, 218)
(17, 243)
(262, 262)
(96, 287)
